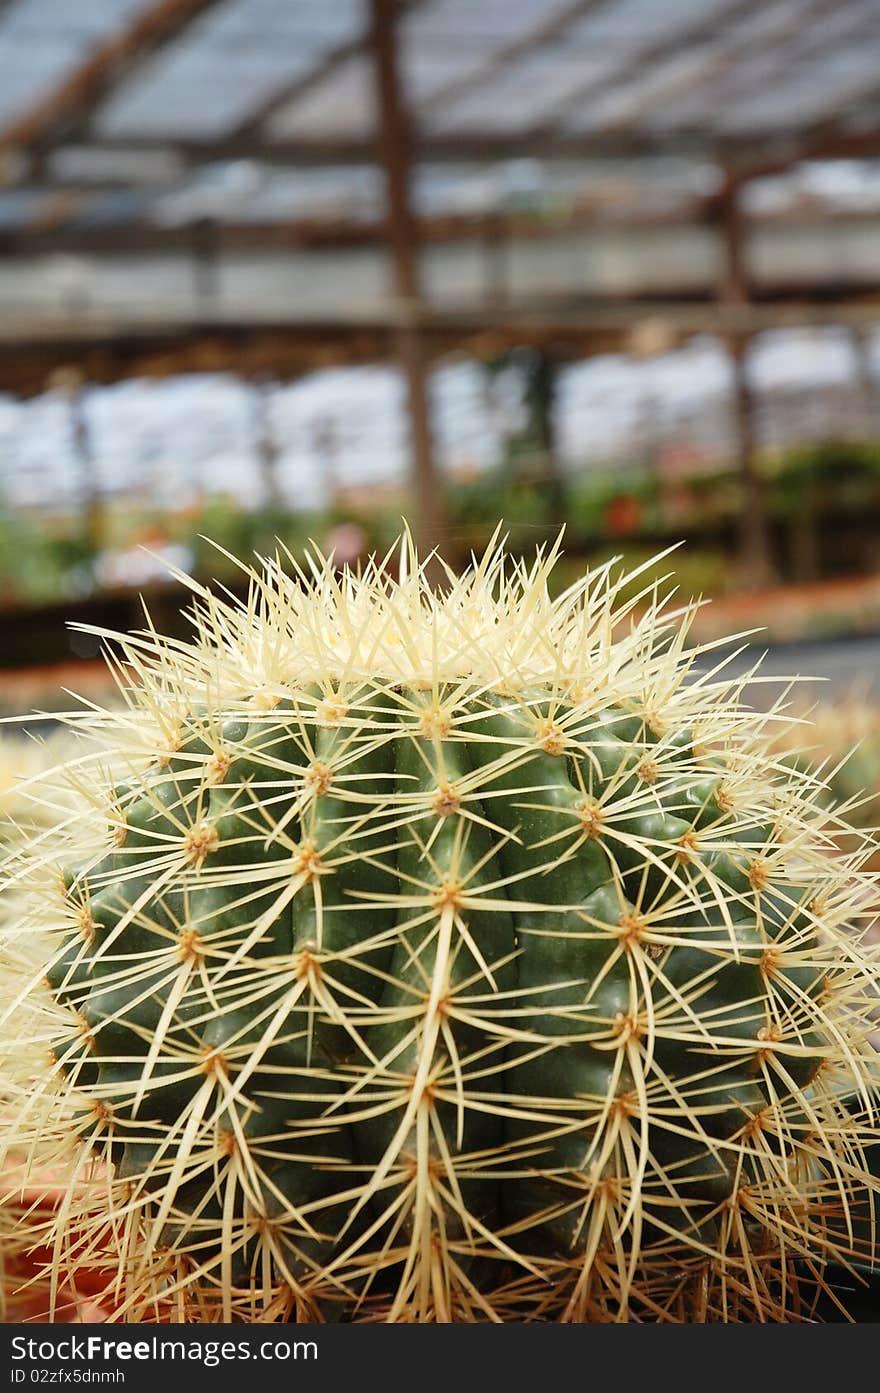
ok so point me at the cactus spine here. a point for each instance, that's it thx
(447, 955)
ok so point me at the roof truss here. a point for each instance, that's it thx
(65, 114)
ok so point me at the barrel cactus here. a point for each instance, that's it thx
(840, 741)
(37, 792)
(452, 953)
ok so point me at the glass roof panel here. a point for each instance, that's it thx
(86, 23)
(521, 95)
(193, 95)
(272, 195)
(490, 24)
(96, 164)
(41, 41)
(229, 64)
(499, 67)
(643, 22)
(442, 44)
(812, 91)
(320, 24)
(19, 206)
(339, 107)
(746, 50)
(448, 42)
(624, 102)
(110, 206)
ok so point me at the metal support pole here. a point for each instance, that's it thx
(205, 252)
(867, 383)
(428, 507)
(265, 442)
(755, 548)
(495, 270)
(69, 382)
(91, 501)
(543, 372)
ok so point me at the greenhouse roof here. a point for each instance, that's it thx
(141, 138)
(107, 107)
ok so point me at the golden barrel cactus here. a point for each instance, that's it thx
(454, 953)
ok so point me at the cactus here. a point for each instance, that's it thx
(446, 954)
(38, 790)
(839, 742)
(23, 765)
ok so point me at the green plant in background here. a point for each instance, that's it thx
(242, 533)
(698, 572)
(445, 954)
(38, 563)
(831, 473)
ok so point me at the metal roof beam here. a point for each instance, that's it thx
(830, 141)
(394, 150)
(776, 306)
(252, 128)
(713, 70)
(67, 111)
(41, 237)
(479, 149)
(51, 230)
(697, 32)
(521, 48)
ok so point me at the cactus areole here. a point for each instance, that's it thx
(452, 954)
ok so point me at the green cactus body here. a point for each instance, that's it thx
(443, 970)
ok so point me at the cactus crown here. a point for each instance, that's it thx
(444, 954)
